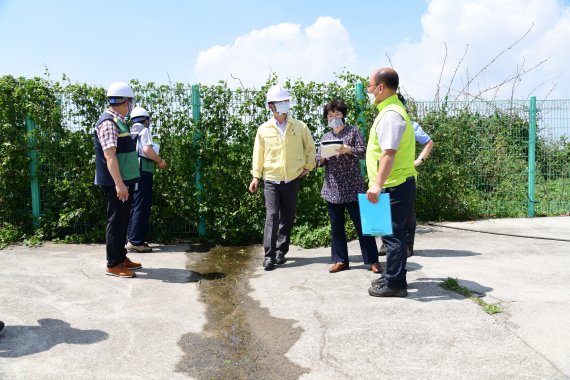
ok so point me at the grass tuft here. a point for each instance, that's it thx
(453, 285)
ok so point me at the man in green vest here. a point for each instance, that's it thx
(117, 172)
(142, 198)
(390, 165)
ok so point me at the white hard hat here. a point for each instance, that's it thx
(139, 112)
(119, 90)
(277, 93)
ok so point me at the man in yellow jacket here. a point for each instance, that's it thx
(284, 151)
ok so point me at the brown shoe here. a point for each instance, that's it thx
(337, 267)
(131, 264)
(120, 271)
(376, 268)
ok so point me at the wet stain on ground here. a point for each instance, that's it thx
(240, 340)
(197, 276)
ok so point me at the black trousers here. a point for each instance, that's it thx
(140, 210)
(118, 214)
(339, 245)
(411, 226)
(401, 202)
(280, 209)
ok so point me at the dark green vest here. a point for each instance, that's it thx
(126, 155)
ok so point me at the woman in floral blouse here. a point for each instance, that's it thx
(343, 181)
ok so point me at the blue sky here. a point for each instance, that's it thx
(98, 42)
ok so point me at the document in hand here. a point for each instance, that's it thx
(376, 218)
(328, 148)
(155, 147)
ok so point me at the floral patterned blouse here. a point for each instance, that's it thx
(343, 180)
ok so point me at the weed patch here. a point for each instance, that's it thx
(453, 285)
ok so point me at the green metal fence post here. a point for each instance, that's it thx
(359, 94)
(34, 185)
(196, 112)
(531, 155)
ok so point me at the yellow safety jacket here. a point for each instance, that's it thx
(277, 158)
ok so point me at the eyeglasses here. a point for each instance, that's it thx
(333, 115)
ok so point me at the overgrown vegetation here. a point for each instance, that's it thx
(453, 285)
(478, 167)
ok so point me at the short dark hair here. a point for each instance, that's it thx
(389, 78)
(335, 105)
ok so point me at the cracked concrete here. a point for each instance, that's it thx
(66, 319)
(434, 333)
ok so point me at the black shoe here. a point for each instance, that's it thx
(269, 263)
(378, 282)
(384, 291)
(280, 259)
(410, 250)
(382, 250)
(1, 327)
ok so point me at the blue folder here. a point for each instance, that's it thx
(376, 218)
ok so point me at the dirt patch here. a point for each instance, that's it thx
(240, 340)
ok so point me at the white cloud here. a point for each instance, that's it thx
(312, 53)
(488, 27)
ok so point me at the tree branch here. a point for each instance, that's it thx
(495, 59)
(441, 74)
(518, 75)
(240, 82)
(456, 69)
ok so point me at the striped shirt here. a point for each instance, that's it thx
(108, 132)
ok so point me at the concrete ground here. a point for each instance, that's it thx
(66, 319)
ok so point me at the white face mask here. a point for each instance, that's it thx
(336, 123)
(282, 107)
(372, 98)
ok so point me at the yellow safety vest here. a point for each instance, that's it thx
(404, 160)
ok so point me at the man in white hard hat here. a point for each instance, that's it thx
(142, 197)
(117, 172)
(284, 151)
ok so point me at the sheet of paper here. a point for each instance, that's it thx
(155, 147)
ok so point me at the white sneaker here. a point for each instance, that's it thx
(138, 248)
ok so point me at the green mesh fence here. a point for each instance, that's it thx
(489, 142)
(552, 196)
(479, 166)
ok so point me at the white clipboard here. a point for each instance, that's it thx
(328, 148)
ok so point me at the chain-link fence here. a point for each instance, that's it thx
(479, 166)
(552, 195)
(495, 148)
